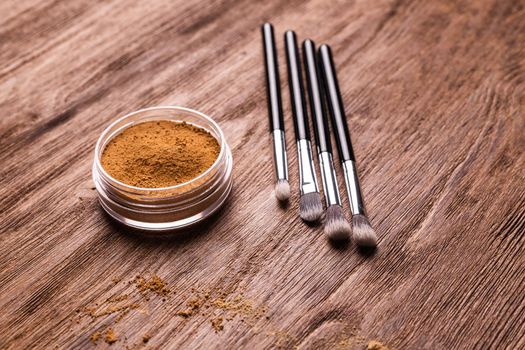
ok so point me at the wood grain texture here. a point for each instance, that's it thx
(435, 93)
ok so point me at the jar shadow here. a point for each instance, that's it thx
(179, 236)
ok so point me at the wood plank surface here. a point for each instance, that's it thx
(435, 93)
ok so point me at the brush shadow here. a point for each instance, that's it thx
(283, 205)
(312, 223)
(340, 244)
(367, 252)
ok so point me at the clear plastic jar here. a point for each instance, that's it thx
(157, 210)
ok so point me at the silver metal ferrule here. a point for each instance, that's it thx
(355, 197)
(330, 188)
(307, 179)
(279, 155)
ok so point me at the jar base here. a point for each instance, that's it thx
(165, 228)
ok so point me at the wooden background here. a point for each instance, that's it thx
(436, 91)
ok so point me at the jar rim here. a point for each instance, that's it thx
(159, 108)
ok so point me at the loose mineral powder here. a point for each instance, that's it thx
(159, 154)
(162, 169)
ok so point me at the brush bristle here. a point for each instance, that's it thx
(282, 190)
(336, 227)
(310, 207)
(364, 234)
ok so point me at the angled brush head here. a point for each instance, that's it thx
(336, 226)
(310, 207)
(364, 234)
(282, 190)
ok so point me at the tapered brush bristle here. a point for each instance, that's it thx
(310, 207)
(364, 234)
(282, 190)
(336, 226)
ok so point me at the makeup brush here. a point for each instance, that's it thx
(336, 226)
(310, 206)
(364, 234)
(275, 112)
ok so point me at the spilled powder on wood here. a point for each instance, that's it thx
(217, 323)
(120, 306)
(217, 307)
(146, 337)
(375, 345)
(95, 337)
(110, 337)
(222, 307)
(153, 284)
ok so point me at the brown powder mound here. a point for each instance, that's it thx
(217, 323)
(153, 284)
(193, 305)
(95, 337)
(375, 345)
(159, 154)
(146, 338)
(184, 313)
(110, 337)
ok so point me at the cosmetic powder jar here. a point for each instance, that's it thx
(161, 210)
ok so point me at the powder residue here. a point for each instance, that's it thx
(95, 337)
(110, 337)
(375, 345)
(117, 298)
(282, 339)
(146, 337)
(239, 305)
(217, 323)
(153, 284)
(118, 306)
(222, 308)
(159, 154)
(216, 306)
(113, 309)
(193, 305)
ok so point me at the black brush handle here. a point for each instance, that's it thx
(273, 84)
(315, 93)
(335, 104)
(295, 83)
